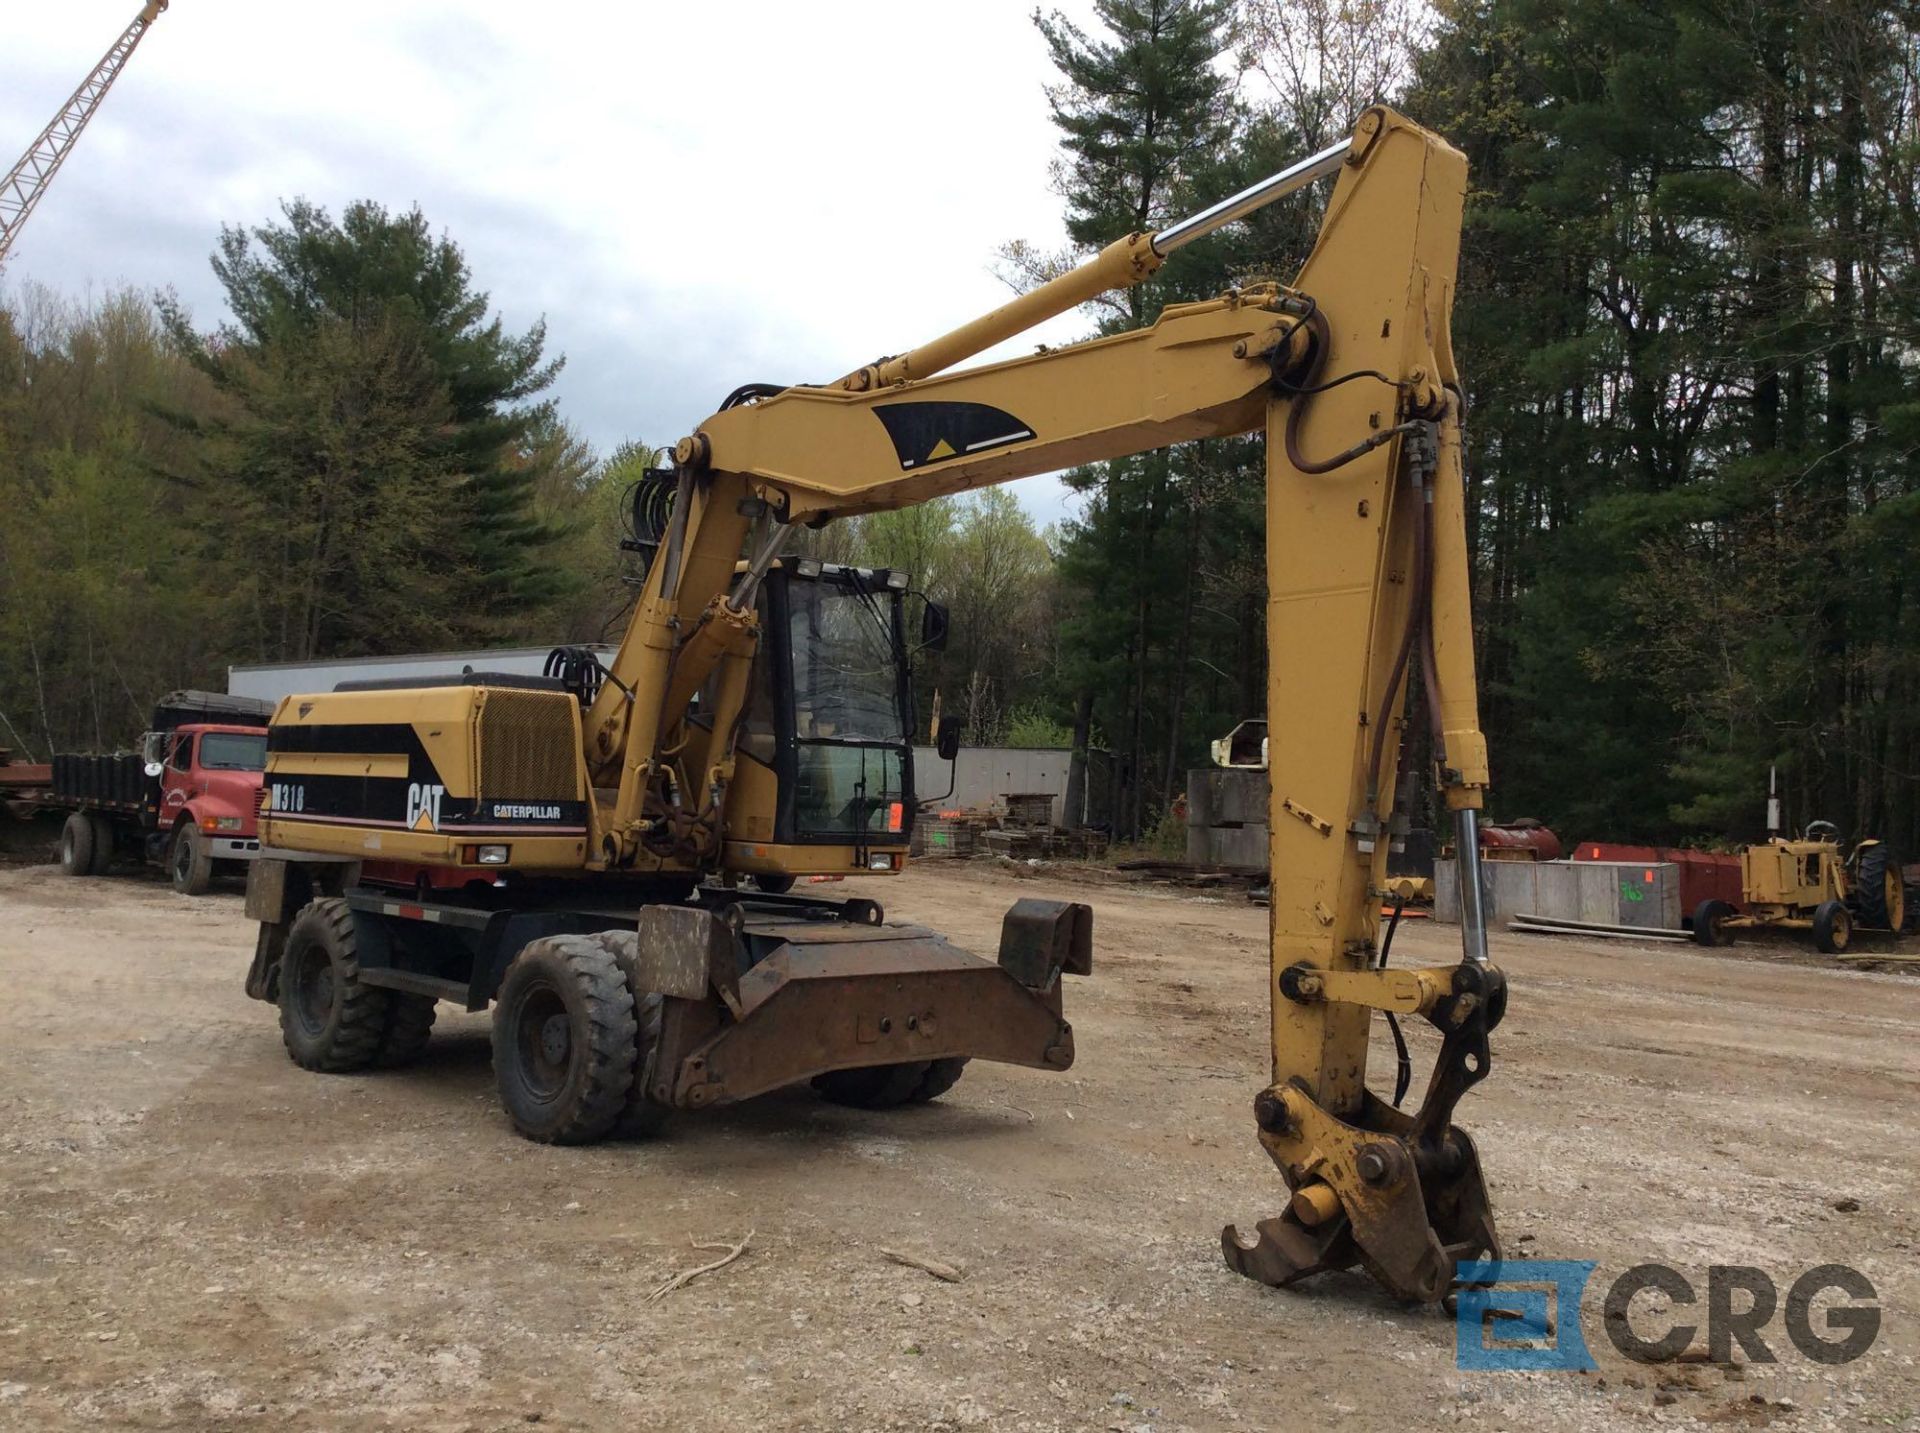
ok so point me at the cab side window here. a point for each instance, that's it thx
(183, 754)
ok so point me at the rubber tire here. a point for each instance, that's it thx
(1708, 929)
(76, 845)
(102, 842)
(575, 979)
(1870, 906)
(190, 862)
(774, 885)
(885, 1087)
(643, 1116)
(1832, 927)
(348, 1036)
(409, 1027)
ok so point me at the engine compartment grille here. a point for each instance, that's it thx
(525, 747)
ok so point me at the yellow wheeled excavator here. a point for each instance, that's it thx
(584, 852)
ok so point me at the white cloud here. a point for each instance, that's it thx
(694, 195)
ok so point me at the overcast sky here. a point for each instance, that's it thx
(694, 195)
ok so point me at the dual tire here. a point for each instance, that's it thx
(86, 844)
(576, 1041)
(330, 1019)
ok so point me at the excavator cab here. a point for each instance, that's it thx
(825, 776)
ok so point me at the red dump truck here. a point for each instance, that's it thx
(188, 799)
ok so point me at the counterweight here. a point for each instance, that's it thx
(27, 181)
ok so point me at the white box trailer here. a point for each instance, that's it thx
(270, 681)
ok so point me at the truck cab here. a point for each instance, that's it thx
(210, 779)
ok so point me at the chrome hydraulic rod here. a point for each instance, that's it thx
(1473, 912)
(1254, 196)
(1121, 264)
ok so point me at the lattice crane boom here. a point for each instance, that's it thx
(27, 181)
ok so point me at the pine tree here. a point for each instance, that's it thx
(386, 428)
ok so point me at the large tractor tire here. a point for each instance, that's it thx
(564, 1040)
(1879, 896)
(76, 845)
(1832, 927)
(330, 1019)
(882, 1087)
(1710, 923)
(190, 862)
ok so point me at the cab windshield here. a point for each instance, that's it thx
(233, 751)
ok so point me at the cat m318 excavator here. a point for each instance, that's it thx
(604, 854)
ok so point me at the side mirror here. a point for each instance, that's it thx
(948, 742)
(933, 628)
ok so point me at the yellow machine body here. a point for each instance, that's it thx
(1349, 371)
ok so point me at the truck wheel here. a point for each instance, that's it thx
(409, 1026)
(1710, 923)
(330, 1019)
(102, 842)
(1879, 897)
(643, 1115)
(564, 1040)
(190, 862)
(882, 1087)
(76, 845)
(1832, 927)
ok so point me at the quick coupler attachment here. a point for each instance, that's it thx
(1401, 1195)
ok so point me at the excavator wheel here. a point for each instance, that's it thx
(1879, 897)
(642, 1116)
(330, 1019)
(774, 885)
(564, 1040)
(1832, 927)
(409, 1027)
(882, 1087)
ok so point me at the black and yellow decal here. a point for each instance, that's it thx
(401, 787)
(926, 433)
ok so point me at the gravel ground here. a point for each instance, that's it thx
(196, 1234)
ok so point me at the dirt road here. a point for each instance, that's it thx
(195, 1234)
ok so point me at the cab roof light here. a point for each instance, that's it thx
(807, 567)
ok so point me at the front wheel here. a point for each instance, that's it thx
(564, 1040)
(1710, 923)
(1832, 928)
(190, 862)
